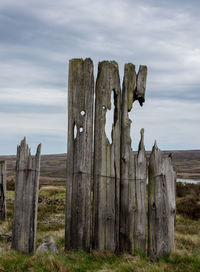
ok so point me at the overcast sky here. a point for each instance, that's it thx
(37, 39)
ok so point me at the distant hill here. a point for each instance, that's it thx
(53, 167)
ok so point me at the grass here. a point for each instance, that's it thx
(186, 256)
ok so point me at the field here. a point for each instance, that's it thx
(186, 164)
(185, 257)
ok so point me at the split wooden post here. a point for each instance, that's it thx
(106, 160)
(79, 154)
(2, 191)
(133, 170)
(26, 199)
(140, 229)
(161, 204)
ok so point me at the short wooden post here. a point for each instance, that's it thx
(2, 190)
(79, 154)
(140, 229)
(133, 168)
(26, 199)
(106, 160)
(161, 204)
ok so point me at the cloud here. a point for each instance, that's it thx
(171, 123)
(39, 37)
(37, 123)
(38, 97)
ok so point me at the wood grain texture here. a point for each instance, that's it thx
(26, 199)
(133, 168)
(141, 84)
(106, 160)
(161, 204)
(79, 157)
(2, 191)
(140, 230)
(127, 182)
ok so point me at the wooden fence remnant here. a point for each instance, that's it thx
(141, 84)
(79, 157)
(132, 168)
(26, 199)
(106, 160)
(116, 179)
(140, 224)
(161, 204)
(127, 182)
(2, 191)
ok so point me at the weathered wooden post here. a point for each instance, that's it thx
(106, 160)
(140, 226)
(79, 154)
(133, 168)
(26, 199)
(161, 204)
(2, 190)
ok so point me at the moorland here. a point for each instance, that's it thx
(51, 222)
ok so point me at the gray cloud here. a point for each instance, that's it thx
(38, 39)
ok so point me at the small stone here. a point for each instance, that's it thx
(42, 247)
(52, 246)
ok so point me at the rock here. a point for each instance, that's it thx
(48, 246)
(42, 247)
(52, 246)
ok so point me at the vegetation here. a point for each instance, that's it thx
(188, 200)
(186, 256)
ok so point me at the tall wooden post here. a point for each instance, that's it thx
(2, 190)
(133, 168)
(26, 199)
(140, 224)
(161, 204)
(79, 154)
(106, 160)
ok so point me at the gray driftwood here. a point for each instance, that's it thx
(79, 157)
(106, 160)
(133, 168)
(2, 190)
(26, 199)
(161, 204)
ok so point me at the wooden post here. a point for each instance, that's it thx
(79, 154)
(140, 229)
(106, 160)
(2, 191)
(26, 199)
(133, 168)
(161, 204)
(127, 182)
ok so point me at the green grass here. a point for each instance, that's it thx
(51, 209)
(80, 261)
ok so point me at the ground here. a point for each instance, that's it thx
(185, 257)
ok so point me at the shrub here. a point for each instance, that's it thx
(10, 185)
(189, 207)
(184, 189)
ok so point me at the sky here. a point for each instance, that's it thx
(38, 38)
